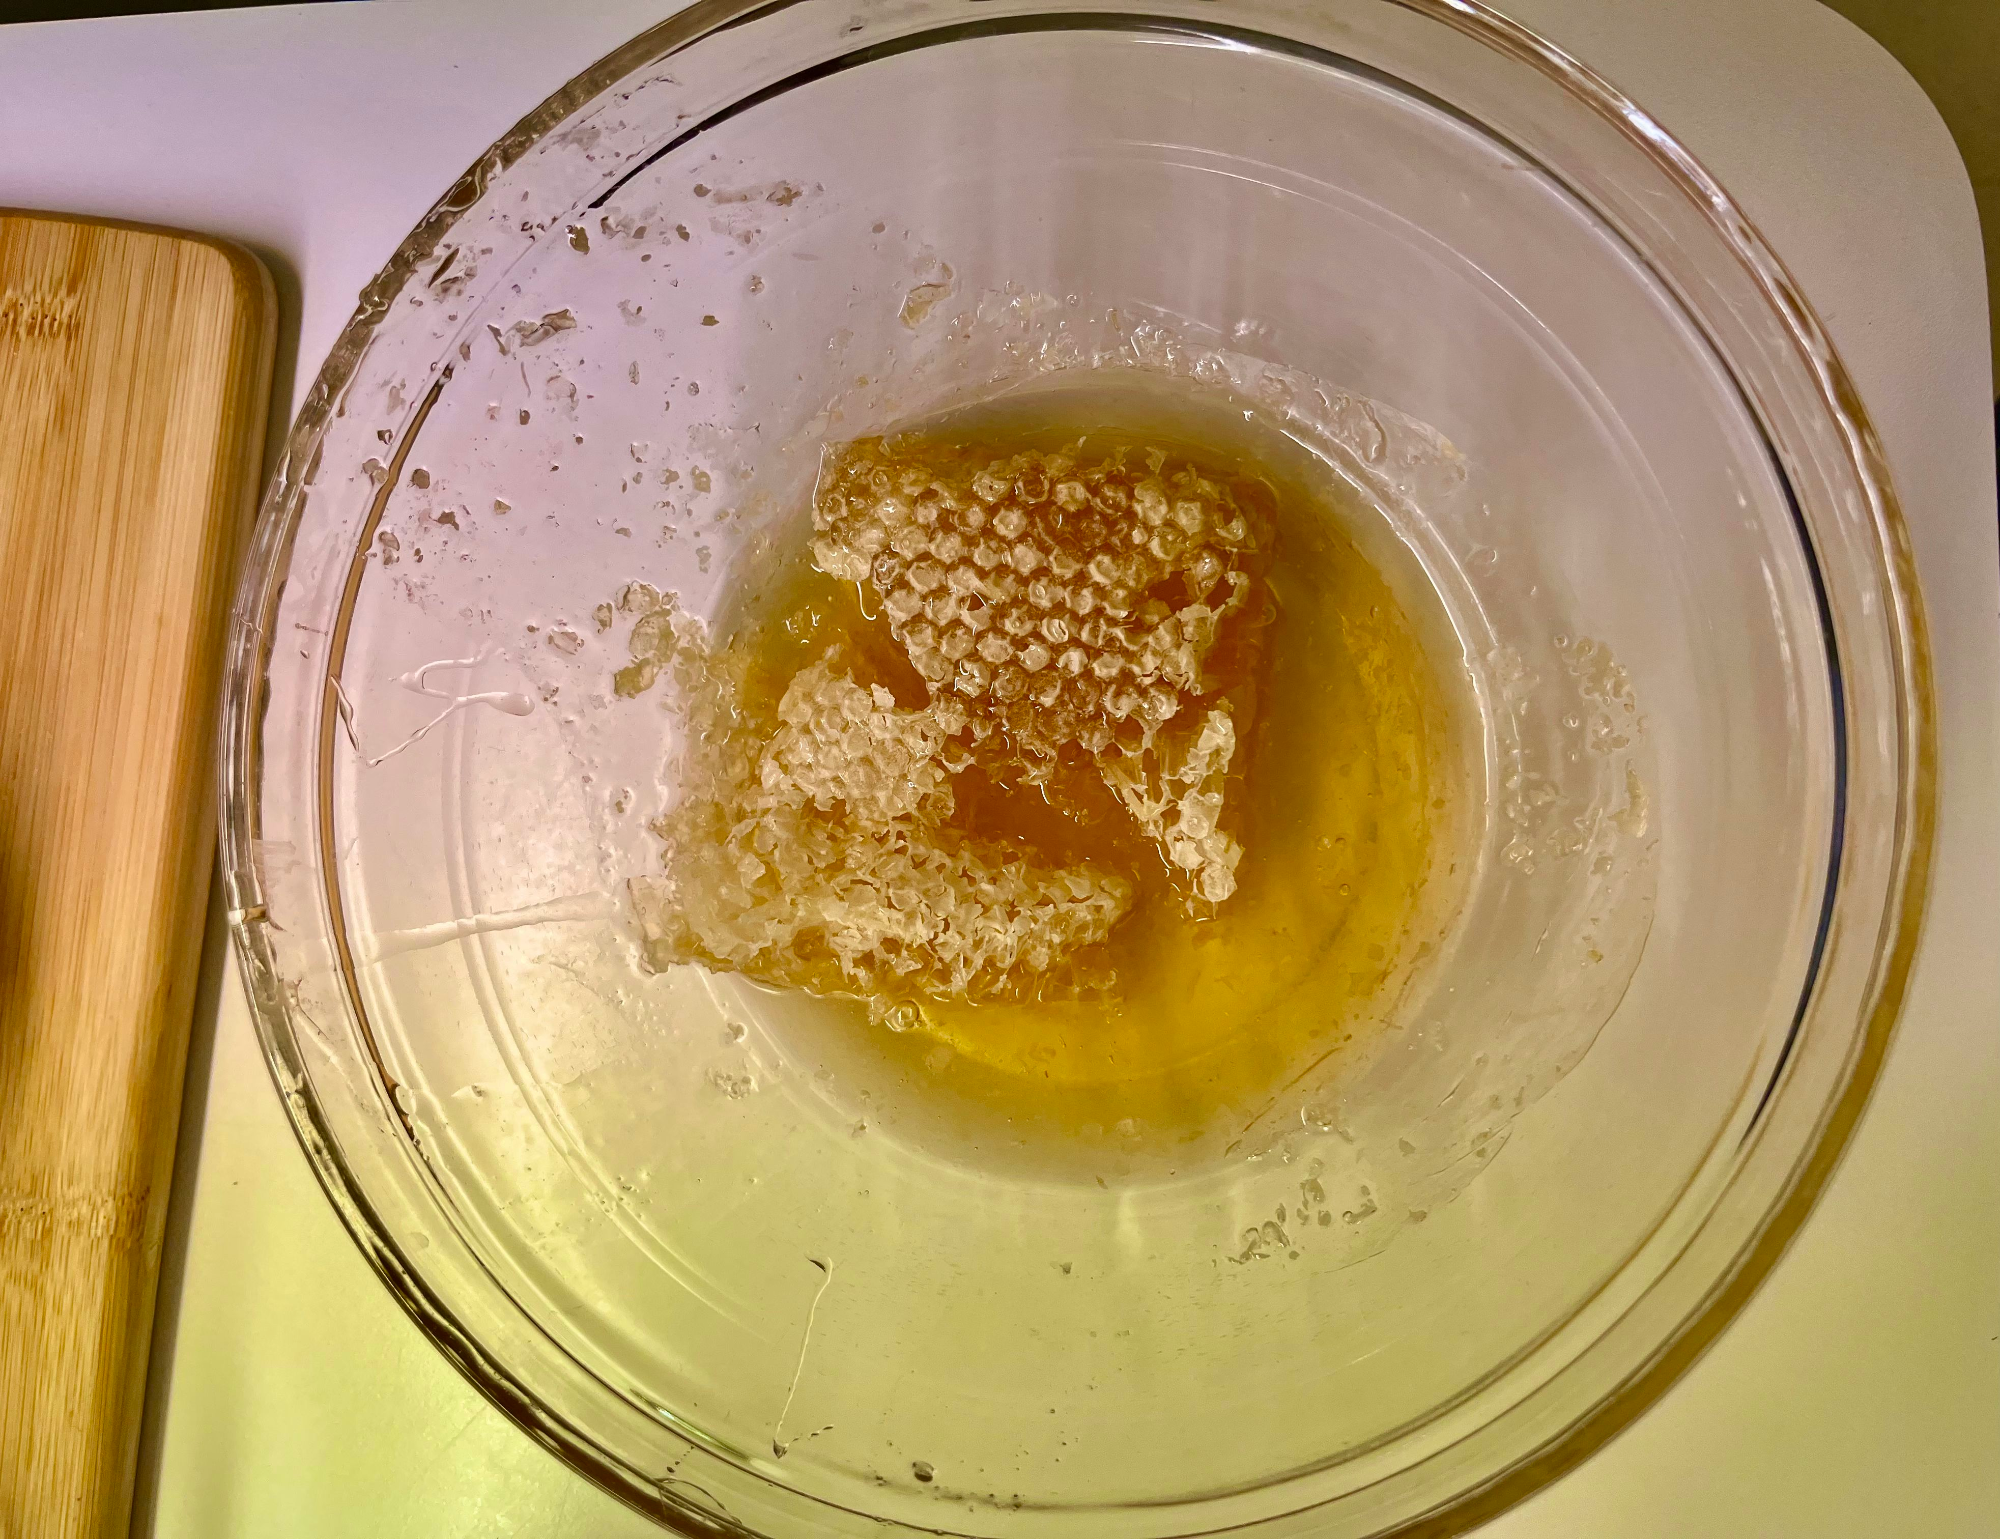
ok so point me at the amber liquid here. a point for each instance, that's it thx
(1341, 795)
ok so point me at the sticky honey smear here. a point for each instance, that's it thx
(1102, 758)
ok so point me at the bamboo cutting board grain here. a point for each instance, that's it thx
(134, 377)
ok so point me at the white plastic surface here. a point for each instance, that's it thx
(1856, 1395)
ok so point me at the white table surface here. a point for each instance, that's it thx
(1860, 1392)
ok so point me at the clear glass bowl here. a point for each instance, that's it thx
(748, 1278)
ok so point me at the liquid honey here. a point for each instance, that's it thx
(1341, 793)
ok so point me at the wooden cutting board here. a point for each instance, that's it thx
(134, 386)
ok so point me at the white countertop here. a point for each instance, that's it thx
(1859, 1394)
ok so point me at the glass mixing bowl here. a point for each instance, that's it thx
(695, 1237)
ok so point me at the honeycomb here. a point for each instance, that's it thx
(838, 742)
(1057, 613)
(816, 855)
(1047, 602)
(1178, 803)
